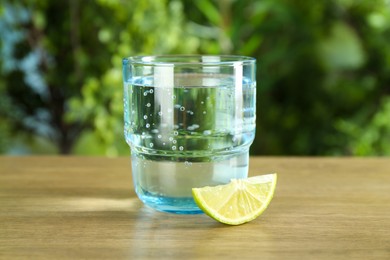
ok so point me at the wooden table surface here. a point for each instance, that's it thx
(85, 207)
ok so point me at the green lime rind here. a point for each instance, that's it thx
(230, 200)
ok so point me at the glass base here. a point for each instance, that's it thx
(167, 185)
(169, 204)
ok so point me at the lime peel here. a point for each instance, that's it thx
(238, 202)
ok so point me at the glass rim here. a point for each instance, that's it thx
(191, 60)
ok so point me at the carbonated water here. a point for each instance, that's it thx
(193, 135)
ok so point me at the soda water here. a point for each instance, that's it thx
(194, 134)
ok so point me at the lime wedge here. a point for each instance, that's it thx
(237, 202)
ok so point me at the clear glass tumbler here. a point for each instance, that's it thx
(189, 121)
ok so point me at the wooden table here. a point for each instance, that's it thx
(85, 207)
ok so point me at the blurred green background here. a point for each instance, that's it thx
(323, 69)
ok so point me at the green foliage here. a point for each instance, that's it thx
(320, 63)
(79, 53)
(144, 27)
(323, 69)
(368, 138)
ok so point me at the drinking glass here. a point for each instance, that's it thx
(189, 121)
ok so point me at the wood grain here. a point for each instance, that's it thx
(85, 207)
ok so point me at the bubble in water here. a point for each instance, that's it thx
(175, 132)
(202, 102)
(145, 93)
(174, 141)
(148, 104)
(173, 147)
(193, 127)
(145, 116)
(159, 136)
(147, 125)
(174, 97)
(182, 108)
(170, 139)
(177, 106)
(181, 148)
(187, 163)
(151, 145)
(154, 131)
(207, 132)
(160, 113)
(204, 112)
(151, 91)
(163, 143)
